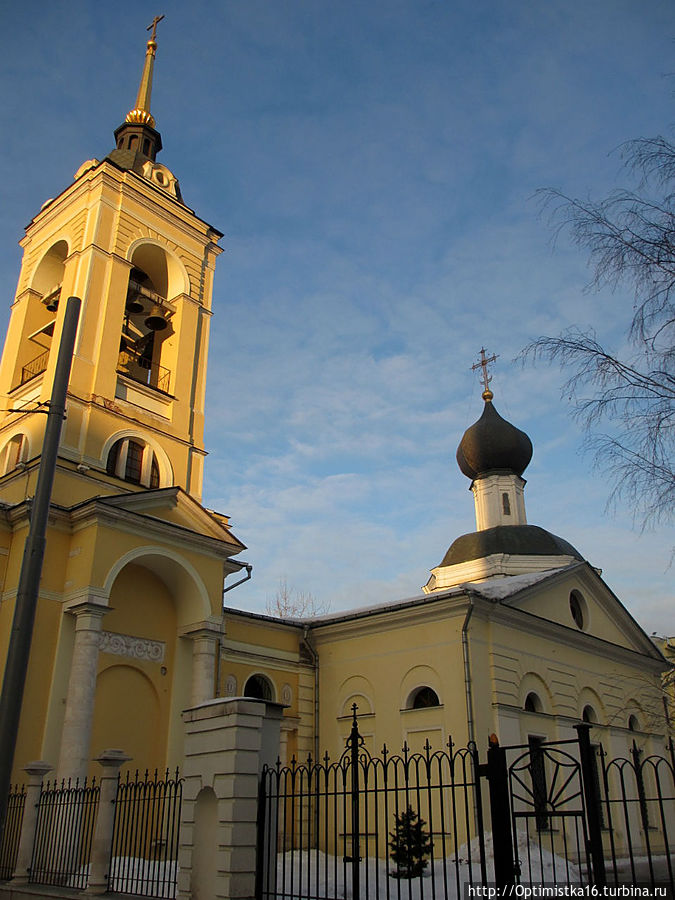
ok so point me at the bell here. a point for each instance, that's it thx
(156, 321)
(51, 301)
(134, 305)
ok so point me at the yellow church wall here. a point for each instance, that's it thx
(377, 664)
(272, 649)
(37, 689)
(140, 606)
(554, 604)
(566, 676)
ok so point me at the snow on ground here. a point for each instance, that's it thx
(132, 875)
(326, 877)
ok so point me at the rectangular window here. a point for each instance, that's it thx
(134, 462)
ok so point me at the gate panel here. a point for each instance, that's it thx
(548, 815)
(387, 826)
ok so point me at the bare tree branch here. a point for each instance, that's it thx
(288, 603)
(630, 239)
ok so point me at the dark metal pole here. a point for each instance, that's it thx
(592, 800)
(18, 652)
(500, 810)
(354, 745)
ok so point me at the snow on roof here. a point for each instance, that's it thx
(495, 589)
(501, 588)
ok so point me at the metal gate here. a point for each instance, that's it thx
(417, 825)
(549, 815)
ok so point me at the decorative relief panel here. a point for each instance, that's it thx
(128, 645)
(287, 695)
(230, 686)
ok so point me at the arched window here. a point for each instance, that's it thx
(532, 703)
(146, 323)
(589, 715)
(633, 723)
(14, 452)
(259, 688)
(423, 697)
(506, 505)
(134, 461)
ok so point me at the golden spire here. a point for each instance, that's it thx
(140, 114)
(483, 364)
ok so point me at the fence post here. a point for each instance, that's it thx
(36, 772)
(354, 741)
(500, 813)
(592, 799)
(227, 742)
(111, 761)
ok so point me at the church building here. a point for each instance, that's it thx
(514, 633)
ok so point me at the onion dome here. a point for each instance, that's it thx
(493, 444)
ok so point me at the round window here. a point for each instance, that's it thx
(577, 605)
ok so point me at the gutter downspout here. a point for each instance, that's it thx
(467, 672)
(469, 694)
(315, 663)
(249, 571)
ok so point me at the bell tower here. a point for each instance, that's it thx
(130, 600)
(121, 238)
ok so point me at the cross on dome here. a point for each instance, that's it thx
(486, 378)
(153, 25)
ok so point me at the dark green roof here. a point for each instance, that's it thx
(516, 540)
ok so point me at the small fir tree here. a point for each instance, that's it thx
(409, 844)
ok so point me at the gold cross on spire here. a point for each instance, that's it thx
(483, 364)
(153, 25)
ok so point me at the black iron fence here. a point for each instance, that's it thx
(369, 826)
(145, 834)
(422, 824)
(66, 819)
(144, 851)
(9, 845)
(638, 798)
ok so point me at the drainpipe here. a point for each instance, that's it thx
(467, 671)
(247, 577)
(315, 663)
(469, 696)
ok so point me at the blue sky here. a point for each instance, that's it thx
(372, 166)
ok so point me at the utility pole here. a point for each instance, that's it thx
(21, 635)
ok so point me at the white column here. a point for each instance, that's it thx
(205, 639)
(76, 733)
(111, 761)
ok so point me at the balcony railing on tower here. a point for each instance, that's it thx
(140, 369)
(35, 367)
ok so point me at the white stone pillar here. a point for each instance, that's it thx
(205, 637)
(227, 742)
(36, 772)
(76, 733)
(111, 761)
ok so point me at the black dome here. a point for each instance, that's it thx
(516, 540)
(492, 444)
